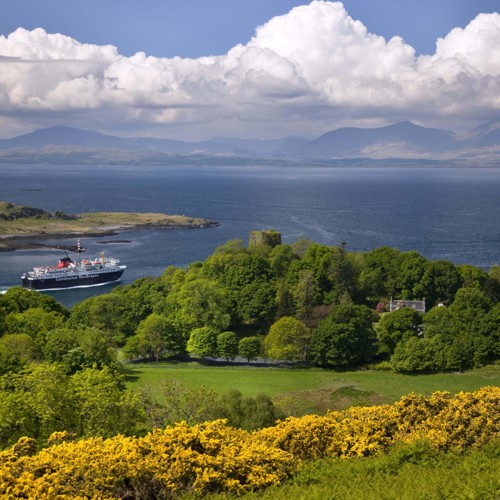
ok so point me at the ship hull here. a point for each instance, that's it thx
(72, 280)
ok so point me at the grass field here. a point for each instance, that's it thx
(311, 390)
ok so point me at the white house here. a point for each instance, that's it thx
(418, 305)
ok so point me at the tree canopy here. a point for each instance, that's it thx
(302, 302)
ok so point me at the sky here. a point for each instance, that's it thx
(196, 69)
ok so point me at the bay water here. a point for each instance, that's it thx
(443, 213)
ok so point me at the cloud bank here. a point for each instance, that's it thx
(305, 72)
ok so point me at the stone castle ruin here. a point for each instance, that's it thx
(268, 237)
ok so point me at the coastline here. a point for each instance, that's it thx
(23, 241)
(22, 226)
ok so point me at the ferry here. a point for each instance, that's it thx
(69, 274)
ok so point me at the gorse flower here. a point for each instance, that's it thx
(214, 457)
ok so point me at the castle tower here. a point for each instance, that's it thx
(268, 237)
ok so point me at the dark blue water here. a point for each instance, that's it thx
(444, 213)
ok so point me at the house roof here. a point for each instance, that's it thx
(418, 305)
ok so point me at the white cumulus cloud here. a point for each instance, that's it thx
(308, 71)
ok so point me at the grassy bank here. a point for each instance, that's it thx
(312, 390)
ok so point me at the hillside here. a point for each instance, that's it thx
(403, 140)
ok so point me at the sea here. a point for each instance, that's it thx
(447, 213)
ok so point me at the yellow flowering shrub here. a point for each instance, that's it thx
(59, 437)
(414, 409)
(307, 437)
(447, 421)
(363, 431)
(354, 432)
(213, 457)
(203, 458)
(89, 468)
(460, 421)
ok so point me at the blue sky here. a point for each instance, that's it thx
(194, 28)
(228, 67)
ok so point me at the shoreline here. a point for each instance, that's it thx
(13, 242)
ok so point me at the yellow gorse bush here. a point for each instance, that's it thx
(208, 457)
(213, 456)
(447, 421)
(466, 419)
(358, 431)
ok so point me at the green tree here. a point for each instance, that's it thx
(227, 345)
(397, 326)
(440, 321)
(36, 322)
(249, 348)
(285, 304)
(173, 278)
(121, 311)
(74, 361)
(469, 305)
(224, 257)
(16, 350)
(409, 282)
(307, 295)
(320, 260)
(249, 284)
(3, 315)
(288, 339)
(416, 355)
(157, 336)
(139, 299)
(34, 403)
(472, 277)
(16, 417)
(248, 413)
(104, 408)
(234, 246)
(300, 247)
(280, 258)
(18, 299)
(492, 289)
(202, 343)
(343, 279)
(492, 285)
(58, 343)
(346, 338)
(108, 313)
(379, 275)
(199, 303)
(440, 282)
(44, 399)
(460, 352)
(97, 347)
(170, 401)
(256, 306)
(488, 331)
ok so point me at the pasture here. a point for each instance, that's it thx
(310, 390)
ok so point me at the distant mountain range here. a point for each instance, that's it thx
(403, 141)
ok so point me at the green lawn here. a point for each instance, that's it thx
(314, 390)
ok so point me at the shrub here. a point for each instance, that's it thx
(214, 457)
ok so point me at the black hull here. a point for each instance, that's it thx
(78, 281)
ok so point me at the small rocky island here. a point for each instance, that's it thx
(21, 226)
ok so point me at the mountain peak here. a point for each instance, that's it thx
(403, 139)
